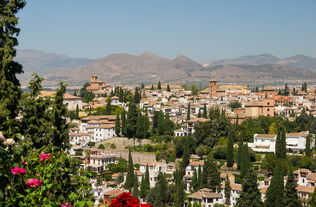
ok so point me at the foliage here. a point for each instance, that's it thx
(250, 195)
(86, 96)
(234, 105)
(129, 182)
(275, 193)
(230, 149)
(291, 197)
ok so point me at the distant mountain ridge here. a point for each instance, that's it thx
(149, 68)
(298, 61)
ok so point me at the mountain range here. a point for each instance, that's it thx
(150, 68)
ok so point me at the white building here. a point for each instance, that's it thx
(295, 142)
(205, 197)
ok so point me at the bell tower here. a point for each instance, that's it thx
(213, 88)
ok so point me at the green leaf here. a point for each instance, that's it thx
(73, 196)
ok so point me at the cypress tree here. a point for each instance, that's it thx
(161, 123)
(146, 123)
(214, 177)
(135, 187)
(137, 96)
(312, 199)
(179, 185)
(168, 125)
(77, 111)
(239, 153)
(108, 107)
(121, 95)
(189, 112)
(140, 126)
(142, 192)
(161, 190)
(280, 145)
(275, 192)
(168, 88)
(204, 112)
(186, 156)
(142, 86)
(131, 120)
(308, 151)
(123, 118)
(230, 149)
(117, 125)
(152, 87)
(227, 191)
(200, 177)
(129, 182)
(59, 131)
(195, 181)
(250, 195)
(291, 197)
(147, 181)
(199, 114)
(159, 85)
(245, 161)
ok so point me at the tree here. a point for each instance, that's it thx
(186, 156)
(140, 126)
(308, 151)
(108, 108)
(137, 95)
(131, 120)
(145, 184)
(239, 153)
(312, 199)
(159, 86)
(179, 185)
(168, 125)
(135, 187)
(123, 118)
(204, 112)
(234, 105)
(250, 195)
(280, 145)
(291, 198)
(200, 151)
(273, 129)
(195, 181)
(158, 195)
(59, 132)
(117, 125)
(275, 192)
(227, 191)
(245, 161)
(168, 88)
(129, 182)
(142, 86)
(189, 112)
(210, 175)
(230, 149)
(152, 87)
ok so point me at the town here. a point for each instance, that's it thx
(168, 129)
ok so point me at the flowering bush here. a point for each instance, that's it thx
(47, 180)
(126, 200)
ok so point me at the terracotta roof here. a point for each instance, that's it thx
(114, 193)
(196, 163)
(263, 190)
(266, 136)
(204, 193)
(305, 189)
(312, 177)
(236, 187)
(69, 96)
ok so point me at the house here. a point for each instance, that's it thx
(111, 194)
(99, 160)
(98, 87)
(295, 142)
(205, 197)
(71, 101)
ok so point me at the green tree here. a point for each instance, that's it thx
(200, 151)
(230, 149)
(142, 86)
(168, 125)
(158, 195)
(204, 112)
(234, 105)
(168, 88)
(179, 193)
(129, 182)
(117, 125)
(152, 87)
(186, 156)
(280, 145)
(291, 198)
(273, 129)
(189, 112)
(145, 184)
(135, 187)
(308, 150)
(211, 175)
(159, 86)
(137, 95)
(59, 131)
(108, 107)
(250, 195)
(245, 161)
(239, 153)
(275, 193)
(312, 199)
(131, 121)
(195, 181)
(123, 118)
(227, 191)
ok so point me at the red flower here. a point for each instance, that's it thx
(17, 171)
(33, 182)
(66, 205)
(44, 157)
(126, 200)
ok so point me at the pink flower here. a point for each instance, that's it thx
(66, 205)
(17, 171)
(33, 182)
(45, 157)
(24, 163)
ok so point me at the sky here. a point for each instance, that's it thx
(199, 29)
